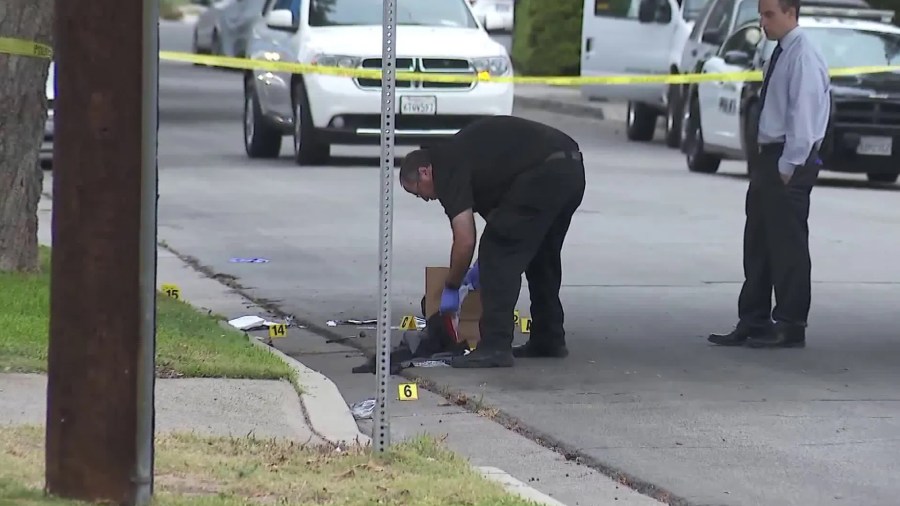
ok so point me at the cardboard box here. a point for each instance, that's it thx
(469, 313)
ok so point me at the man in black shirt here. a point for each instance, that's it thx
(526, 180)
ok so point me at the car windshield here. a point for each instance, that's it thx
(850, 47)
(748, 10)
(692, 9)
(453, 13)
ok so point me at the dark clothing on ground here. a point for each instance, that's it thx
(776, 243)
(526, 179)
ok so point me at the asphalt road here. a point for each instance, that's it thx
(651, 266)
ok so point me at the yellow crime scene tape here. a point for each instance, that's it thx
(24, 48)
(272, 63)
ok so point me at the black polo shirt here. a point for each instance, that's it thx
(476, 167)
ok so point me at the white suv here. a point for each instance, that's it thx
(318, 110)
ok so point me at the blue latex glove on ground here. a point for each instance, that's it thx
(450, 301)
(472, 277)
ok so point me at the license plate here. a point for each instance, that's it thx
(418, 105)
(502, 7)
(876, 146)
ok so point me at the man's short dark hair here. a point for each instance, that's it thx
(787, 4)
(409, 167)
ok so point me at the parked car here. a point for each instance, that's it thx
(223, 29)
(46, 153)
(720, 121)
(718, 21)
(636, 37)
(318, 110)
(494, 15)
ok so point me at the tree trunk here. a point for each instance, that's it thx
(23, 111)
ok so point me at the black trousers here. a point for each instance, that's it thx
(525, 234)
(776, 243)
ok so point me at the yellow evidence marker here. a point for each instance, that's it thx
(277, 330)
(526, 325)
(408, 323)
(408, 391)
(172, 290)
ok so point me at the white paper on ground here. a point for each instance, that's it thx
(250, 323)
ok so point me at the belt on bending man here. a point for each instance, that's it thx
(567, 155)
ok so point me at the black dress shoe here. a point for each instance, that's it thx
(738, 336)
(782, 337)
(481, 358)
(532, 350)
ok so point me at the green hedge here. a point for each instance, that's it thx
(547, 37)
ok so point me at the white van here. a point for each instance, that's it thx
(635, 37)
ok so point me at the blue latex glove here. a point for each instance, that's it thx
(472, 277)
(450, 301)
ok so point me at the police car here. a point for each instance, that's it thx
(720, 117)
(717, 21)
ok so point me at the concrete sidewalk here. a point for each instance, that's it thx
(206, 406)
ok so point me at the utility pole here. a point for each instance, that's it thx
(101, 364)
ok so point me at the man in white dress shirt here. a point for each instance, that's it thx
(795, 105)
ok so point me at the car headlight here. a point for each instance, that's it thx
(336, 60)
(496, 66)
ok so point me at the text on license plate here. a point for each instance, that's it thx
(878, 146)
(418, 105)
(502, 7)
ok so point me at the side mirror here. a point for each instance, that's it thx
(655, 11)
(281, 19)
(738, 58)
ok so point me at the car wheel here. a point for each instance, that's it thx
(673, 118)
(882, 177)
(307, 150)
(216, 45)
(698, 160)
(261, 140)
(195, 48)
(640, 122)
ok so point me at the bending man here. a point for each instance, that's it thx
(526, 180)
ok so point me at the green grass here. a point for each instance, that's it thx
(188, 343)
(195, 470)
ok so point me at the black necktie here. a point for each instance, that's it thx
(765, 86)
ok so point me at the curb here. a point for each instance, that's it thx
(325, 408)
(516, 487)
(573, 109)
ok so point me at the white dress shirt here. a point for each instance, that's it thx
(797, 103)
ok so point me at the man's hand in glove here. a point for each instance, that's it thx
(472, 277)
(450, 300)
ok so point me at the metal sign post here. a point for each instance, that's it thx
(382, 431)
